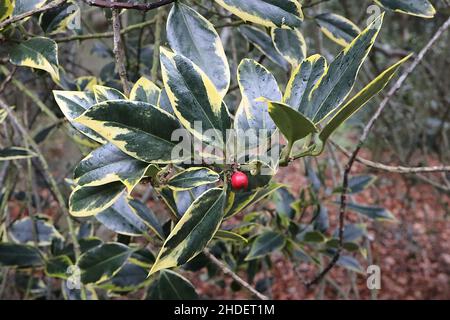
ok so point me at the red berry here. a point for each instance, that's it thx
(239, 180)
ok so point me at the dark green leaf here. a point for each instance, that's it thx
(314, 237)
(265, 244)
(350, 263)
(22, 6)
(130, 277)
(321, 221)
(148, 217)
(87, 244)
(375, 213)
(283, 200)
(19, 255)
(359, 183)
(294, 125)
(122, 219)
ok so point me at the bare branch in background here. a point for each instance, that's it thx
(128, 5)
(235, 277)
(394, 169)
(24, 15)
(361, 142)
(119, 53)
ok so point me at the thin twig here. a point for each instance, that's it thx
(27, 14)
(235, 277)
(393, 169)
(7, 79)
(128, 5)
(156, 45)
(108, 34)
(361, 142)
(119, 53)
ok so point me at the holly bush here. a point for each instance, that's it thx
(167, 119)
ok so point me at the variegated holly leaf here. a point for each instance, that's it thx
(6, 9)
(336, 84)
(338, 28)
(191, 35)
(61, 18)
(192, 178)
(255, 82)
(238, 201)
(303, 79)
(419, 8)
(103, 94)
(129, 278)
(359, 100)
(139, 129)
(263, 42)
(173, 286)
(148, 217)
(230, 236)
(194, 98)
(269, 13)
(290, 44)
(88, 201)
(23, 6)
(265, 244)
(193, 232)
(109, 164)
(39, 53)
(122, 218)
(102, 262)
(72, 105)
(15, 153)
(146, 91)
